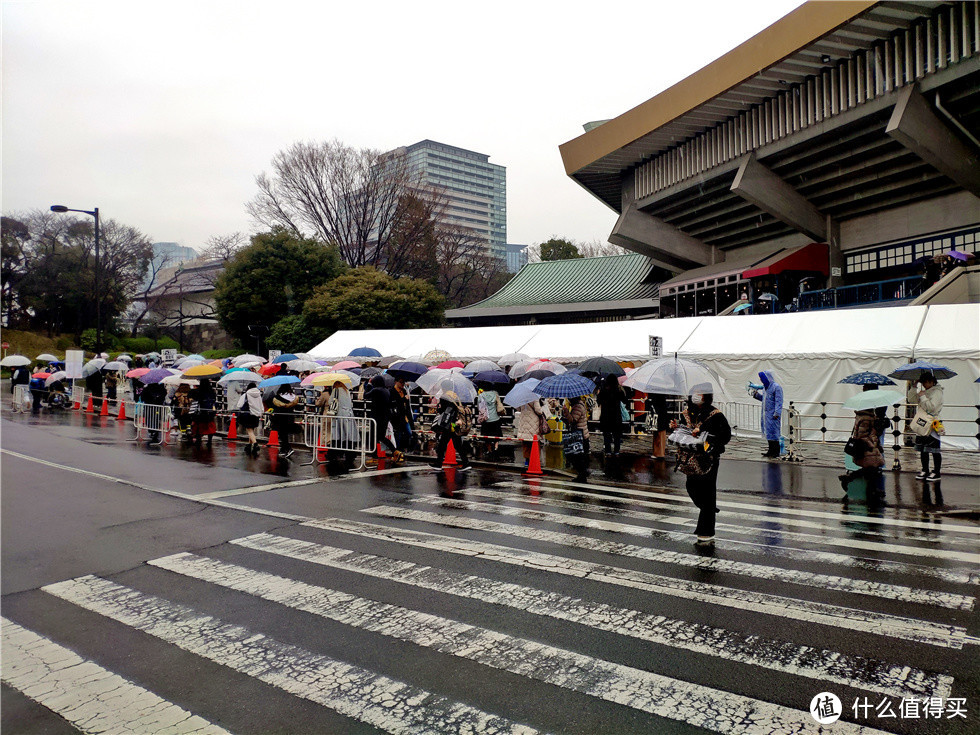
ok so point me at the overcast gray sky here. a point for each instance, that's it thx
(162, 113)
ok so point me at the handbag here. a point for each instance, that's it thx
(693, 462)
(922, 422)
(855, 448)
(573, 442)
(624, 415)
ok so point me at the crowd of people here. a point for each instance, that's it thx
(405, 417)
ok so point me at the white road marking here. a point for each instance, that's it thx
(803, 513)
(710, 563)
(855, 671)
(642, 690)
(808, 554)
(888, 544)
(380, 701)
(91, 698)
(162, 491)
(921, 631)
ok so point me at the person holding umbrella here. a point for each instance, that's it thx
(402, 418)
(379, 408)
(707, 424)
(866, 453)
(576, 417)
(612, 405)
(250, 410)
(929, 400)
(283, 421)
(204, 400)
(451, 423)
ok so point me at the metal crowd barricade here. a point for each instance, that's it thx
(22, 398)
(148, 418)
(78, 396)
(357, 434)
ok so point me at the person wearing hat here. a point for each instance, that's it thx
(708, 424)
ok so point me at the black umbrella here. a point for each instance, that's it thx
(408, 370)
(497, 377)
(601, 366)
(536, 374)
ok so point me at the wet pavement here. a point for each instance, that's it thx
(193, 589)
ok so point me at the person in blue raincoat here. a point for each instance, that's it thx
(771, 396)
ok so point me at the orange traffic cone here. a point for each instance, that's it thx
(122, 411)
(273, 439)
(450, 458)
(90, 408)
(104, 411)
(233, 428)
(534, 461)
(77, 406)
(381, 456)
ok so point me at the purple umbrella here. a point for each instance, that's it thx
(959, 255)
(156, 375)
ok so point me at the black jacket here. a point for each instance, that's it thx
(717, 426)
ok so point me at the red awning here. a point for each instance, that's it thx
(812, 257)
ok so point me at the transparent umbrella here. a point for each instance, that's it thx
(522, 393)
(438, 382)
(674, 376)
(92, 366)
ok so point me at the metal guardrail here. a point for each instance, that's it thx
(22, 399)
(897, 289)
(149, 418)
(357, 434)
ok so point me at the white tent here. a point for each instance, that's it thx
(951, 336)
(809, 352)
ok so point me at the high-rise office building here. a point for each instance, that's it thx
(475, 189)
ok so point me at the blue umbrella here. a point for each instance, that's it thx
(522, 393)
(364, 352)
(867, 379)
(156, 375)
(564, 386)
(915, 370)
(408, 370)
(498, 377)
(741, 307)
(279, 380)
(285, 358)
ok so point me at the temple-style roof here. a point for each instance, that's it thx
(581, 284)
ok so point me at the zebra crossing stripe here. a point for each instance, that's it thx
(757, 519)
(830, 666)
(91, 698)
(663, 696)
(384, 703)
(803, 513)
(746, 547)
(709, 563)
(920, 631)
(889, 546)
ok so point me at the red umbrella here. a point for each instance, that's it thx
(137, 372)
(41, 374)
(270, 369)
(346, 364)
(450, 364)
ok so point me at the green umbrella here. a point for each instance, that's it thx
(873, 399)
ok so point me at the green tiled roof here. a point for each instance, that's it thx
(582, 280)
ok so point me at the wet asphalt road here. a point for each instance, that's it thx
(411, 600)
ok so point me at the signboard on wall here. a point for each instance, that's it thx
(656, 346)
(169, 355)
(273, 354)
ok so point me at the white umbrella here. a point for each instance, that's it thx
(242, 359)
(479, 366)
(302, 366)
(15, 361)
(240, 376)
(178, 379)
(60, 375)
(188, 362)
(125, 358)
(526, 366)
(522, 393)
(674, 376)
(512, 359)
(92, 366)
(47, 357)
(115, 365)
(439, 382)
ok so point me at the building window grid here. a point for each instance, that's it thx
(908, 252)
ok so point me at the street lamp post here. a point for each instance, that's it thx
(98, 296)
